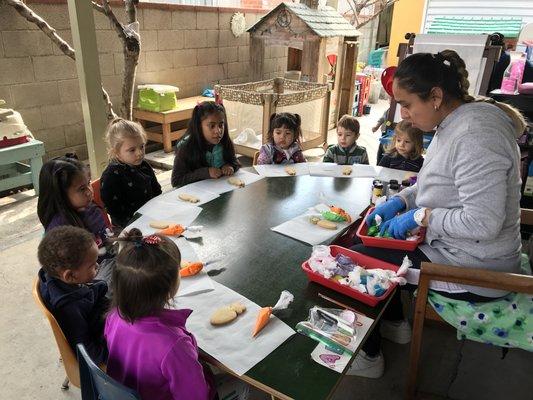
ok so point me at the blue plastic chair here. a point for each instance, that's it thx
(97, 385)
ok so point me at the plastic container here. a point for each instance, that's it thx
(398, 244)
(362, 260)
(157, 98)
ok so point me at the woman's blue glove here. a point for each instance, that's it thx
(400, 225)
(387, 210)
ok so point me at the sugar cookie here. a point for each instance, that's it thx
(323, 223)
(238, 307)
(223, 315)
(159, 224)
(188, 197)
(290, 171)
(347, 170)
(236, 182)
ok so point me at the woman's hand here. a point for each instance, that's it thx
(398, 226)
(387, 210)
(227, 170)
(215, 173)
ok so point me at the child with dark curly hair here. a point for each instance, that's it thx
(68, 257)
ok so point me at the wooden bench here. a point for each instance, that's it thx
(13, 172)
(163, 133)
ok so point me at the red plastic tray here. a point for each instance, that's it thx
(362, 260)
(398, 244)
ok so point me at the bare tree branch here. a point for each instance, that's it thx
(108, 105)
(114, 21)
(357, 6)
(30, 16)
(98, 7)
(131, 10)
(385, 5)
(28, 13)
(131, 50)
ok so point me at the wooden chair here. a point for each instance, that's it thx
(256, 156)
(97, 199)
(70, 362)
(467, 276)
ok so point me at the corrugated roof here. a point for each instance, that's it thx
(325, 22)
(509, 27)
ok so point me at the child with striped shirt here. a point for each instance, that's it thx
(346, 152)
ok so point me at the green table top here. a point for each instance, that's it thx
(259, 263)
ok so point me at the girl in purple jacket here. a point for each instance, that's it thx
(150, 350)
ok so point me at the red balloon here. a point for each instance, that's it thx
(387, 77)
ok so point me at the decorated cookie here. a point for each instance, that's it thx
(347, 170)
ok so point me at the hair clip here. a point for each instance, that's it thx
(152, 239)
(440, 58)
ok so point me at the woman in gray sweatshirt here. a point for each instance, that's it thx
(468, 191)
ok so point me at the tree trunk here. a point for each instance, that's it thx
(30, 16)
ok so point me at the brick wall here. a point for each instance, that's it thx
(184, 46)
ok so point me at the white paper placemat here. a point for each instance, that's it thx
(365, 171)
(172, 197)
(278, 170)
(179, 213)
(301, 229)
(196, 284)
(221, 185)
(335, 170)
(232, 344)
(386, 174)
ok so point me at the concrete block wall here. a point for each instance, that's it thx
(367, 40)
(189, 47)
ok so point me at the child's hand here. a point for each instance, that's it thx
(375, 128)
(227, 170)
(215, 173)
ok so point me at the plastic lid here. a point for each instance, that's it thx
(160, 88)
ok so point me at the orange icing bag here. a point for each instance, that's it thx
(190, 268)
(262, 320)
(172, 230)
